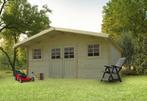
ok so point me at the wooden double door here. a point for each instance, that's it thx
(63, 62)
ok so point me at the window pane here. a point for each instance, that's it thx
(36, 53)
(90, 50)
(53, 57)
(39, 57)
(96, 54)
(96, 46)
(57, 57)
(96, 50)
(66, 49)
(58, 49)
(90, 54)
(66, 56)
(55, 53)
(69, 52)
(93, 50)
(71, 56)
(90, 46)
(71, 49)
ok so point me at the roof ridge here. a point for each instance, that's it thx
(82, 32)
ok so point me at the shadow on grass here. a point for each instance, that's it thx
(5, 73)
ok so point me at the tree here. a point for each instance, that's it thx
(2, 5)
(124, 16)
(144, 64)
(127, 44)
(127, 16)
(20, 17)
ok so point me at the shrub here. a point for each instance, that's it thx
(129, 70)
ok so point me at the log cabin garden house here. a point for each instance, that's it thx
(68, 53)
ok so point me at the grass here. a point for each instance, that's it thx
(133, 88)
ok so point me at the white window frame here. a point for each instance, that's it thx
(56, 53)
(69, 53)
(93, 50)
(36, 53)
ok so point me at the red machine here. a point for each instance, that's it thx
(22, 78)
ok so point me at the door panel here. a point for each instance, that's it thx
(69, 62)
(56, 64)
(56, 68)
(70, 68)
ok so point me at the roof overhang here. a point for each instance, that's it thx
(49, 31)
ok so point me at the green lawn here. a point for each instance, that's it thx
(131, 89)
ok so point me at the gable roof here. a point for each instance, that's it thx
(81, 32)
(61, 30)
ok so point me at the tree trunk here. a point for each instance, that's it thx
(9, 60)
(13, 61)
(14, 53)
(2, 7)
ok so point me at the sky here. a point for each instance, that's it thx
(75, 14)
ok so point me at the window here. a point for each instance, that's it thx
(69, 52)
(37, 54)
(93, 50)
(55, 53)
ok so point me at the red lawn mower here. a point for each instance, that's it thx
(21, 77)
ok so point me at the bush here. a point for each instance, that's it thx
(129, 70)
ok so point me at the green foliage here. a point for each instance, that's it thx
(145, 45)
(122, 17)
(125, 15)
(20, 17)
(4, 64)
(21, 58)
(144, 64)
(127, 43)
